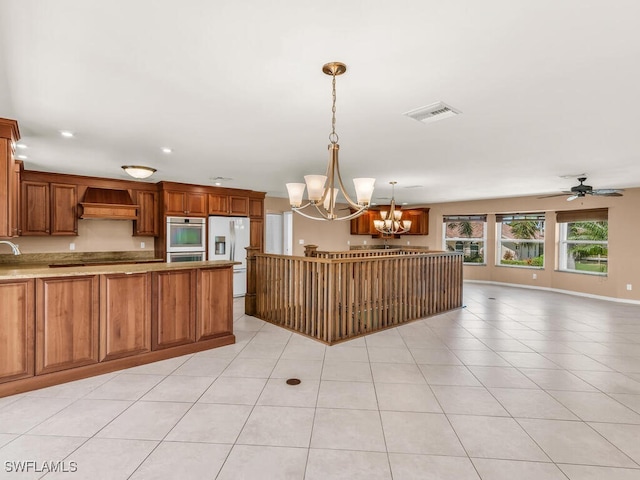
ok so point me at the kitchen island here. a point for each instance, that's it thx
(66, 323)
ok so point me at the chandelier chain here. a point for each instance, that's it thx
(333, 136)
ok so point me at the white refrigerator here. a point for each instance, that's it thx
(228, 239)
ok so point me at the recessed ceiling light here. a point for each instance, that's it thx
(21, 157)
(21, 146)
(66, 133)
(217, 181)
(166, 150)
(405, 203)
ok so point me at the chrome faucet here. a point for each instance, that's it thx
(14, 247)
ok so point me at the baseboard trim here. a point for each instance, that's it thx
(557, 290)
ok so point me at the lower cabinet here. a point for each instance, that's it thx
(66, 323)
(125, 315)
(174, 308)
(16, 329)
(215, 303)
(51, 326)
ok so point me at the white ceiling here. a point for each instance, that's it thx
(235, 88)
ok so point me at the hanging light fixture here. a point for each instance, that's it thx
(139, 171)
(323, 197)
(390, 222)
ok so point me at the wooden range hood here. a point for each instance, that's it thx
(108, 203)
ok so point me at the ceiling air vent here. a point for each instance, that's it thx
(432, 113)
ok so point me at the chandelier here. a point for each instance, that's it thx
(323, 197)
(390, 222)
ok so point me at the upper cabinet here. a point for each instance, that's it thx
(363, 225)
(181, 203)
(256, 207)
(64, 204)
(223, 204)
(9, 191)
(49, 208)
(148, 222)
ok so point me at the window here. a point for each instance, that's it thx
(584, 236)
(520, 240)
(466, 234)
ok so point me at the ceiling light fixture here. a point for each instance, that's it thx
(22, 157)
(66, 134)
(166, 150)
(139, 171)
(21, 146)
(390, 222)
(322, 197)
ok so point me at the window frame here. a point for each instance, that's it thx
(541, 217)
(469, 218)
(563, 241)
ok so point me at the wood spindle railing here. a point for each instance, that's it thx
(336, 297)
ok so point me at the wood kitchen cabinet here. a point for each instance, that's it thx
(256, 233)
(193, 204)
(17, 329)
(256, 208)
(174, 308)
(363, 225)
(221, 204)
(49, 208)
(125, 315)
(18, 168)
(148, 221)
(419, 221)
(64, 204)
(9, 193)
(215, 303)
(66, 322)
(36, 212)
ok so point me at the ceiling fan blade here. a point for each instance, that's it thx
(607, 192)
(572, 197)
(557, 195)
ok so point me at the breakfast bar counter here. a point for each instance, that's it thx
(66, 323)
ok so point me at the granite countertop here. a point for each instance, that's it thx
(18, 271)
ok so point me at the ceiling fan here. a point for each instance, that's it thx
(583, 190)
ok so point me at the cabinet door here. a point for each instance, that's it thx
(16, 330)
(256, 208)
(256, 233)
(64, 202)
(197, 204)
(66, 323)
(8, 195)
(363, 225)
(35, 208)
(125, 315)
(215, 303)
(16, 205)
(419, 221)
(239, 205)
(174, 308)
(147, 223)
(218, 204)
(175, 203)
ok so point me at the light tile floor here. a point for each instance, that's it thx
(519, 384)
